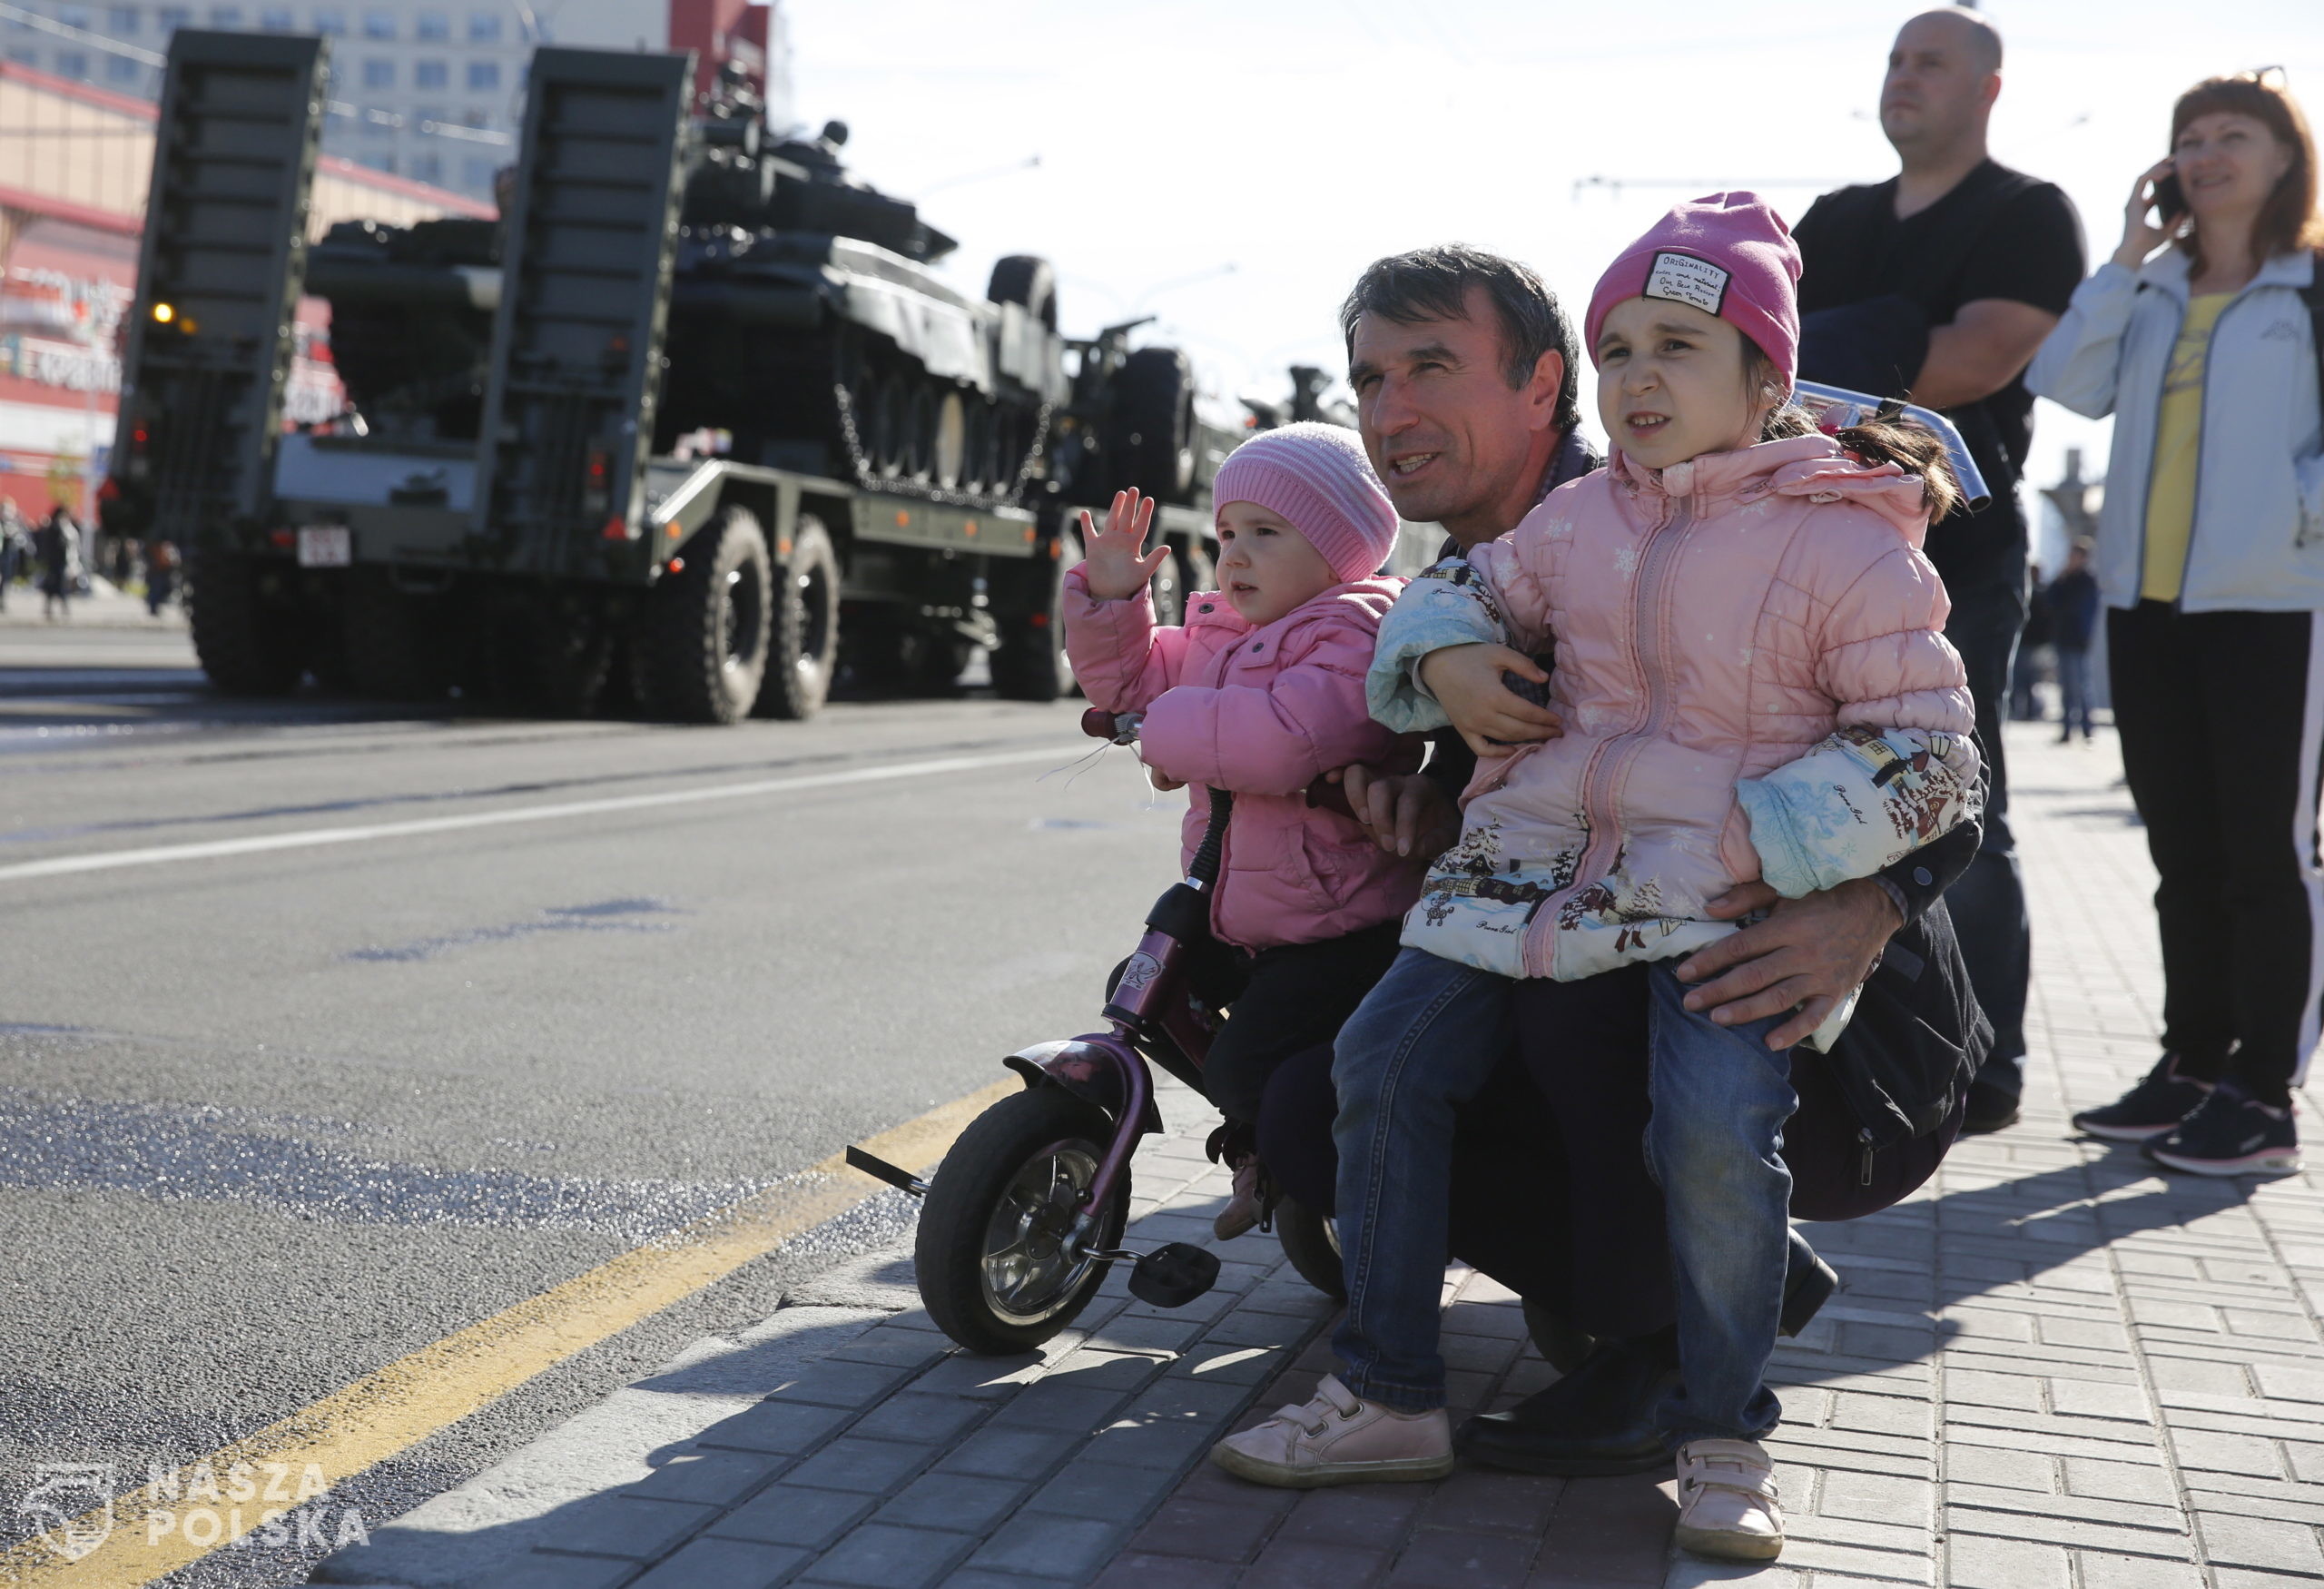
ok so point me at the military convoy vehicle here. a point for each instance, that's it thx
(693, 424)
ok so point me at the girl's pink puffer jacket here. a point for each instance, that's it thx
(1263, 712)
(1711, 624)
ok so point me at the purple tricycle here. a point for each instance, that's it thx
(1024, 1217)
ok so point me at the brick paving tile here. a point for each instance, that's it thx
(783, 1515)
(1457, 1558)
(723, 1564)
(2007, 1563)
(1075, 1548)
(550, 1570)
(1504, 1503)
(1136, 1571)
(1301, 1564)
(1216, 1531)
(952, 1500)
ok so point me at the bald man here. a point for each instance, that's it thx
(1939, 284)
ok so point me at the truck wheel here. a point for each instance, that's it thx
(891, 424)
(919, 429)
(802, 637)
(1197, 572)
(1028, 279)
(949, 452)
(386, 657)
(937, 661)
(1030, 664)
(706, 629)
(1171, 591)
(989, 1258)
(1151, 435)
(246, 649)
(1312, 1245)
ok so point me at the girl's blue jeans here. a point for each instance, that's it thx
(1422, 1042)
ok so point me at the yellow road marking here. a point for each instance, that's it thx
(365, 1423)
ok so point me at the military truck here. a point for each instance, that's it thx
(692, 423)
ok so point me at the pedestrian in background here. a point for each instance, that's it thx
(161, 574)
(2033, 644)
(1939, 284)
(14, 546)
(2071, 605)
(57, 545)
(2211, 557)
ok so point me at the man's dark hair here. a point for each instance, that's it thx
(1433, 283)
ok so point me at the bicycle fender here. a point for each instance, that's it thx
(1090, 1069)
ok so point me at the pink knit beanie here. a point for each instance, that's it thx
(1726, 255)
(1317, 477)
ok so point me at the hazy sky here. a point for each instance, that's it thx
(1299, 139)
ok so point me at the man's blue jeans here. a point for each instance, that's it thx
(1422, 1042)
(2073, 692)
(1720, 1098)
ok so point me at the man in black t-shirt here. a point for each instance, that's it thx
(1940, 283)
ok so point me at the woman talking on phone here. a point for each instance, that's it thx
(2210, 556)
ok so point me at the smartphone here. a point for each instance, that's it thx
(2169, 198)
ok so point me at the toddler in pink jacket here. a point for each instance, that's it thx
(1750, 682)
(1261, 692)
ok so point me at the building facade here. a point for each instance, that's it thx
(431, 90)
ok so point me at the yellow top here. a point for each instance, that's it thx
(2178, 434)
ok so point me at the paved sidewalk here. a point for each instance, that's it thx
(105, 607)
(2050, 1369)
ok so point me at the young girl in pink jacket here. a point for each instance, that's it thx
(1262, 692)
(1751, 682)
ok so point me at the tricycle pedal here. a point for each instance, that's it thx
(1173, 1275)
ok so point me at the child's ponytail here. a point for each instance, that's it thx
(1889, 438)
(1886, 437)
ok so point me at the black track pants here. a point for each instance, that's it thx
(2222, 714)
(1281, 1000)
(1988, 902)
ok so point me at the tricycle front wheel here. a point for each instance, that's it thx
(992, 1256)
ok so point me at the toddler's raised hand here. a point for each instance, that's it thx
(1466, 682)
(1117, 565)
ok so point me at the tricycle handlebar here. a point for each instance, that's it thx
(1121, 727)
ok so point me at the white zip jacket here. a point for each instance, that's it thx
(2258, 535)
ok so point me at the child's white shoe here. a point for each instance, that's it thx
(1728, 1505)
(1339, 1438)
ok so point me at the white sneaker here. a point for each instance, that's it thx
(1728, 1505)
(1339, 1438)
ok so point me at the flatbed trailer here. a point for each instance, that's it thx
(556, 559)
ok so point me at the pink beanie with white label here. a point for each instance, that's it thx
(1726, 255)
(1317, 477)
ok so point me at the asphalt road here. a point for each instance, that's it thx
(272, 1119)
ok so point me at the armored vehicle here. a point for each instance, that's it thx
(693, 422)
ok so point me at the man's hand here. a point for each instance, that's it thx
(1406, 813)
(1806, 956)
(1115, 564)
(1466, 682)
